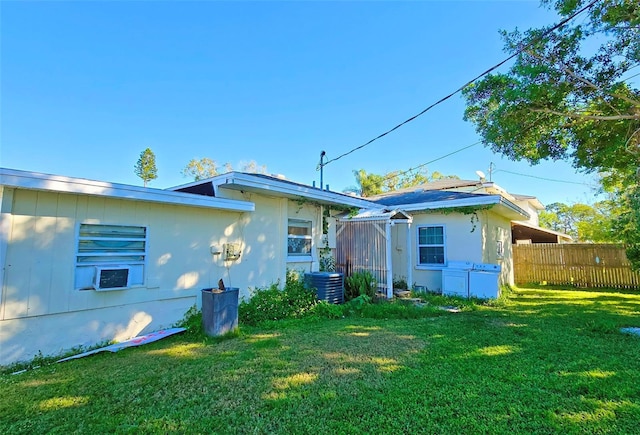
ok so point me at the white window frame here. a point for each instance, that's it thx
(443, 245)
(89, 261)
(303, 256)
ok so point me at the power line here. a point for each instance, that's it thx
(441, 100)
(541, 178)
(398, 174)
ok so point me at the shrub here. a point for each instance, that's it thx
(192, 320)
(359, 284)
(400, 283)
(325, 310)
(274, 304)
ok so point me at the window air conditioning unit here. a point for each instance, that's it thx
(109, 278)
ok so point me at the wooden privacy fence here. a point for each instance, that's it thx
(580, 264)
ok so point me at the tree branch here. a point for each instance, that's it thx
(591, 117)
(568, 71)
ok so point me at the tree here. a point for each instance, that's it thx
(583, 222)
(145, 168)
(200, 169)
(204, 168)
(369, 184)
(568, 95)
(254, 168)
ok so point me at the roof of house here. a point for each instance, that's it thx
(379, 214)
(419, 199)
(56, 183)
(268, 184)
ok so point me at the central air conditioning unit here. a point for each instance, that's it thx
(108, 278)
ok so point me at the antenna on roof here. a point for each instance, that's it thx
(481, 175)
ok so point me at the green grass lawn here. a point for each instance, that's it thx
(543, 361)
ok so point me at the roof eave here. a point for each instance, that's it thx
(506, 207)
(61, 184)
(242, 181)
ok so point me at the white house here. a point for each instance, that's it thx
(86, 261)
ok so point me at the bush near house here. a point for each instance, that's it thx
(272, 303)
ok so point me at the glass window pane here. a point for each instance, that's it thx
(432, 255)
(299, 246)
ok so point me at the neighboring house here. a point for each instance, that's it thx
(86, 261)
(450, 226)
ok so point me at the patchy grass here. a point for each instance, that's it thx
(541, 361)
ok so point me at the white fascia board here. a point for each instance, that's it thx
(465, 202)
(287, 188)
(57, 183)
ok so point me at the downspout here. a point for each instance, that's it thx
(409, 258)
(389, 265)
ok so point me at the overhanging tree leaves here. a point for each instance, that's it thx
(570, 95)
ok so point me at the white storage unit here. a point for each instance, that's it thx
(483, 281)
(455, 278)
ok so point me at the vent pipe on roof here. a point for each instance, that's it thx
(323, 155)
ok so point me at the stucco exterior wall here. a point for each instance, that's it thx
(533, 212)
(462, 243)
(40, 231)
(496, 230)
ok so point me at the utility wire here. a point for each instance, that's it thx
(541, 178)
(441, 100)
(398, 174)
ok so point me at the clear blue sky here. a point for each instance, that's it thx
(86, 86)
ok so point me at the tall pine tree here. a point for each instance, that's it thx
(145, 168)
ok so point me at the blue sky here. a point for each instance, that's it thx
(86, 86)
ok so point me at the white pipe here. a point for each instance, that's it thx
(389, 265)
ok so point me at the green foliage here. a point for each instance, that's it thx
(400, 283)
(370, 184)
(583, 222)
(325, 310)
(192, 320)
(398, 310)
(360, 284)
(145, 167)
(567, 96)
(200, 169)
(271, 303)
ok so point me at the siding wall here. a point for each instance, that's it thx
(41, 311)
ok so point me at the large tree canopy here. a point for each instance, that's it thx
(570, 94)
